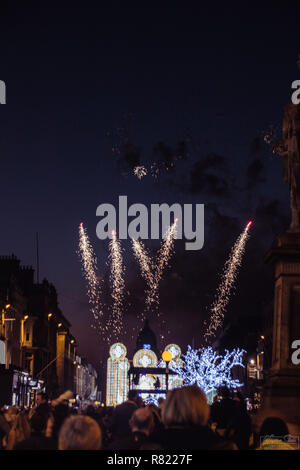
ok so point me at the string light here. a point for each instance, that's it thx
(209, 370)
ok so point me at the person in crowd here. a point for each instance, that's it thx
(11, 415)
(42, 402)
(4, 427)
(123, 413)
(274, 435)
(158, 426)
(107, 420)
(160, 402)
(185, 415)
(38, 439)
(79, 433)
(19, 432)
(230, 419)
(141, 425)
(60, 413)
(92, 413)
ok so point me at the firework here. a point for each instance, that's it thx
(140, 171)
(165, 252)
(227, 284)
(118, 284)
(89, 268)
(152, 270)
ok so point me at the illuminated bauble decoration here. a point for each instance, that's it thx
(145, 358)
(166, 356)
(118, 351)
(175, 350)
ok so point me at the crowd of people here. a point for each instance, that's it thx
(183, 421)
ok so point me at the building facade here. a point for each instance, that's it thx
(37, 348)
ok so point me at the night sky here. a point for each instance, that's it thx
(88, 89)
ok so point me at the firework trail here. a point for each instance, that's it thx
(89, 268)
(118, 284)
(227, 284)
(143, 257)
(151, 270)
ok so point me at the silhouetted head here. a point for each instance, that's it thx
(132, 395)
(80, 433)
(186, 406)
(142, 420)
(274, 427)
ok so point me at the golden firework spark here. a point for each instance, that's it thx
(140, 171)
(227, 284)
(152, 270)
(89, 268)
(118, 284)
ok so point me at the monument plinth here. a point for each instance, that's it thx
(282, 389)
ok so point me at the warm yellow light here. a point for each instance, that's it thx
(60, 324)
(262, 337)
(26, 316)
(49, 315)
(72, 341)
(166, 356)
(7, 305)
(252, 361)
(74, 362)
(102, 404)
(78, 367)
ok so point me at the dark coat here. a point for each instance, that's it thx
(121, 417)
(132, 442)
(36, 442)
(192, 438)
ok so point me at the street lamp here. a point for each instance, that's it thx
(22, 329)
(167, 357)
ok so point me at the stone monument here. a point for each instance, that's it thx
(282, 388)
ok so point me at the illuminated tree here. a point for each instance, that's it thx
(209, 370)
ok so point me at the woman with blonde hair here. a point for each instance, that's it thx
(19, 432)
(185, 416)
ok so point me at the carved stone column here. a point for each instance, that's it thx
(282, 389)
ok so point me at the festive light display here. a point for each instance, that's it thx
(227, 284)
(117, 375)
(144, 358)
(89, 268)
(115, 320)
(208, 369)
